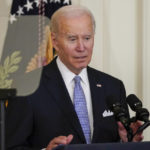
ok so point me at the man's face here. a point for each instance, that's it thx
(74, 42)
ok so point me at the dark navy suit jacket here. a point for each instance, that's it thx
(31, 122)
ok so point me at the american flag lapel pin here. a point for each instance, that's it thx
(98, 85)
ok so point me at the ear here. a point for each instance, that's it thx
(54, 40)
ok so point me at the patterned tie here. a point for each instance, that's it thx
(81, 109)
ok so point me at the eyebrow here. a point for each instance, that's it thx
(71, 36)
(74, 35)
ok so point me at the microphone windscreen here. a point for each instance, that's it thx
(133, 102)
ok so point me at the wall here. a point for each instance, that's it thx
(4, 13)
(146, 58)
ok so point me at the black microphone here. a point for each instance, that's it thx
(135, 104)
(120, 115)
(119, 112)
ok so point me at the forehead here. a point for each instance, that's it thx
(76, 25)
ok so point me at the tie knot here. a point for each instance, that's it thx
(77, 79)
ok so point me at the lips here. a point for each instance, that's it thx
(80, 57)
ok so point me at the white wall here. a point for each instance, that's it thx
(120, 42)
(4, 13)
(146, 59)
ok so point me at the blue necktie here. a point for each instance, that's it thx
(81, 109)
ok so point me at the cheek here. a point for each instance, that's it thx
(69, 50)
(66, 52)
(91, 45)
(90, 50)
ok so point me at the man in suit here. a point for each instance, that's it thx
(48, 117)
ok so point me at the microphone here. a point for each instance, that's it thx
(120, 115)
(135, 104)
(119, 112)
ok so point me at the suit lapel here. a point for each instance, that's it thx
(97, 95)
(57, 88)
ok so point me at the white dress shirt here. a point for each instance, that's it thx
(68, 78)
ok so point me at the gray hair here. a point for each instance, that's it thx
(70, 11)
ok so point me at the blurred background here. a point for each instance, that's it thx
(122, 42)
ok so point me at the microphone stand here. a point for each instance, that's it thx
(5, 94)
(129, 135)
(126, 124)
(141, 128)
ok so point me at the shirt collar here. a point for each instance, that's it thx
(68, 76)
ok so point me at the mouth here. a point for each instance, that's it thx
(80, 57)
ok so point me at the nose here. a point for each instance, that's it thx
(80, 45)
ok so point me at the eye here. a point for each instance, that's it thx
(72, 38)
(87, 38)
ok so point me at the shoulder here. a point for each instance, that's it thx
(110, 85)
(101, 76)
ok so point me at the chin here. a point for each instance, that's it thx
(82, 67)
